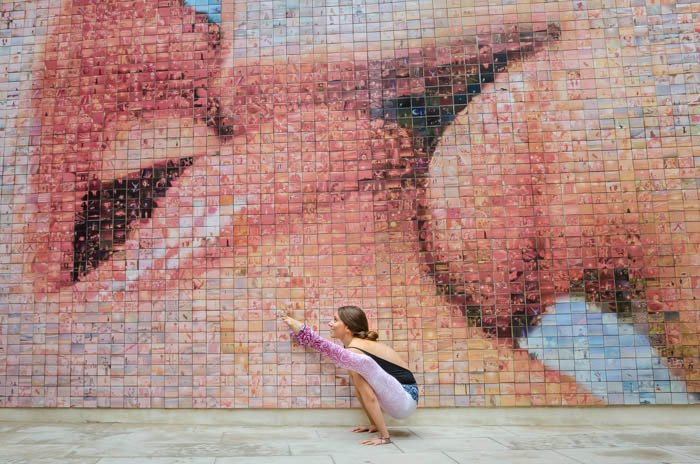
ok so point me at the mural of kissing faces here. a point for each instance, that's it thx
(509, 191)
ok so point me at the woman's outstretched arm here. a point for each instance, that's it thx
(336, 353)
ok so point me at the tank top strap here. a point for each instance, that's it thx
(365, 352)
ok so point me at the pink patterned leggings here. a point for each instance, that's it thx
(392, 397)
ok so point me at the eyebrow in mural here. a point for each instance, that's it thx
(448, 88)
(449, 77)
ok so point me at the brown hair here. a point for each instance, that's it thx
(355, 320)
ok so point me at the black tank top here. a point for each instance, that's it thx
(404, 376)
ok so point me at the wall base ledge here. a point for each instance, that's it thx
(481, 416)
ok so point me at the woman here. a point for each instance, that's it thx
(381, 378)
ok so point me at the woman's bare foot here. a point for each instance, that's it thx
(365, 428)
(376, 441)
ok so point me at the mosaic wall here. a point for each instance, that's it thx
(509, 189)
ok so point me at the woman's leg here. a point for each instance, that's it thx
(385, 388)
(371, 406)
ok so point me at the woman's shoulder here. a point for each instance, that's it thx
(362, 344)
(368, 346)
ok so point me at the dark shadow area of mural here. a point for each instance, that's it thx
(109, 208)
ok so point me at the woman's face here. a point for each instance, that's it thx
(338, 327)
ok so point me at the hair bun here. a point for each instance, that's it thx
(367, 335)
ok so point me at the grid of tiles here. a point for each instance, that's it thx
(510, 190)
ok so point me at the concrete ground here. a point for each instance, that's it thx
(584, 441)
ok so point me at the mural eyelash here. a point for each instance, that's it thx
(109, 208)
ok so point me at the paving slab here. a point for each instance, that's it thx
(461, 431)
(449, 444)
(510, 456)
(47, 460)
(270, 434)
(461, 443)
(624, 455)
(159, 460)
(113, 448)
(402, 458)
(22, 453)
(598, 439)
(350, 445)
(690, 451)
(346, 434)
(277, 460)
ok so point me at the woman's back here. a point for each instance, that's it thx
(379, 350)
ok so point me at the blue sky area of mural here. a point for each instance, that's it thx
(212, 8)
(600, 351)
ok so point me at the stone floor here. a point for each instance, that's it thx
(125, 443)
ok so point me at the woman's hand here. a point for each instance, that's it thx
(293, 324)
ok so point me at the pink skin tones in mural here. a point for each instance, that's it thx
(287, 191)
